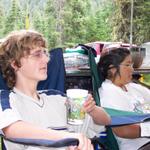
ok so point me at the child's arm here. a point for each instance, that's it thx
(21, 129)
(97, 113)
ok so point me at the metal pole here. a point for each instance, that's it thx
(131, 24)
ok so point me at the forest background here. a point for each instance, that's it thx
(69, 22)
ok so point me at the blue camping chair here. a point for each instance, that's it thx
(55, 80)
(36, 142)
(56, 72)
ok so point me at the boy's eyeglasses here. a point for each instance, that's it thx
(39, 54)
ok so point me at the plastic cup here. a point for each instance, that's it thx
(75, 113)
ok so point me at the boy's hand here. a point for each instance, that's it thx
(84, 143)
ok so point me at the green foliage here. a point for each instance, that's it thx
(39, 22)
(141, 21)
(53, 26)
(146, 79)
(75, 20)
(98, 27)
(68, 22)
(2, 20)
(13, 20)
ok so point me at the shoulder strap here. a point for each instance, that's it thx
(4, 99)
(52, 92)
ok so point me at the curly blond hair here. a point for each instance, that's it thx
(15, 46)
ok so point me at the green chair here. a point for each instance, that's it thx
(109, 141)
(59, 89)
(56, 79)
(118, 117)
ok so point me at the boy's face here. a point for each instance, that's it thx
(34, 66)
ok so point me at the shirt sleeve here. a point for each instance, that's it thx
(8, 117)
(145, 92)
(7, 114)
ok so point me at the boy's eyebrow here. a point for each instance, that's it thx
(38, 50)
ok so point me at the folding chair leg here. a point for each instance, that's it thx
(2, 144)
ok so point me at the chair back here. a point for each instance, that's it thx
(56, 72)
(55, 79)
(3, 86)
(109, 140)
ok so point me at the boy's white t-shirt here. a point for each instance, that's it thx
(48, 112)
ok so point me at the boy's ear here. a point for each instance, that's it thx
(13, 65)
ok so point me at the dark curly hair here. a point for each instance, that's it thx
(112, 59)
(15, 46)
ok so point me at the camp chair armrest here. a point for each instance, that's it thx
(46, 143)
(54, 143)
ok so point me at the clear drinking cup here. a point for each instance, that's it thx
(75, 100)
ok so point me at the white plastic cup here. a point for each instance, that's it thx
(75, 113)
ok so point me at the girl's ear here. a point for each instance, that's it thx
(112, 69)
(111, 72)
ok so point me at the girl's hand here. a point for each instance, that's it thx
(89, 105)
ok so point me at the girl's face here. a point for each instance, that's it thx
(126, 71)
(34, 66)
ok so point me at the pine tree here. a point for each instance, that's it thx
(10, 19)
(99, 26)
(14, 20)
(75, 21)
(2, 21)
(50, 23)
(141, 21)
